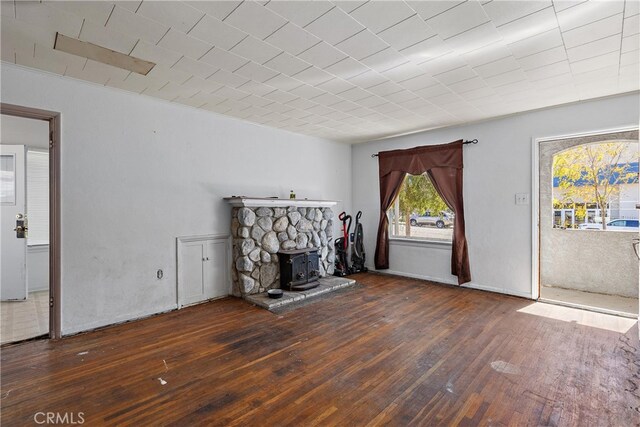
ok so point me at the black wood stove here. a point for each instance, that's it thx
(299, 269)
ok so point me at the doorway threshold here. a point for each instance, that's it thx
(589, 308)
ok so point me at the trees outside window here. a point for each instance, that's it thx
(594, 176)
(419, 211)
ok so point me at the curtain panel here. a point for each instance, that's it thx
(443, 163)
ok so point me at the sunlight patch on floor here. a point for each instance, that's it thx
(581, 317)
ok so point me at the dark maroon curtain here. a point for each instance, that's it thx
(444, 165)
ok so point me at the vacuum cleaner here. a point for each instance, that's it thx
(356, 241)
(357, 248)
(342, 246)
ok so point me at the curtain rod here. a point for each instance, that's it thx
(473, 141)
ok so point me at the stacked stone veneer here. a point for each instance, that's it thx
(258, 235)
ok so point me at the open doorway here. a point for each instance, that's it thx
(588, 222)
(29, 282)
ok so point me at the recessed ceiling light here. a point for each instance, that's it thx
(102, 54)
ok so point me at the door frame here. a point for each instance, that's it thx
(536, 142)
(55, 309)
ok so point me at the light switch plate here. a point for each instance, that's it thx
(522, 198)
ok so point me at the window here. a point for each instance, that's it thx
(592, 179)
(419, 212)
(38, 197)
(7, 179)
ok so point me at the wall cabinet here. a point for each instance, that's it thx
(203, 266)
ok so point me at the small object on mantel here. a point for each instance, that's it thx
(292, 195)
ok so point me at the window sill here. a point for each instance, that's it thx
(439, 244)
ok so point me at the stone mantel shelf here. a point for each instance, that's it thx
(256, 202)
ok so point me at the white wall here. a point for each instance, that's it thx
(21, 131)
(138, 172)
(38, 268)
(498, 231)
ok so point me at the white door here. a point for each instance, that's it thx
(215, 269)
(13, 249)
(191, 259)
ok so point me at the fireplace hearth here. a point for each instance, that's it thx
(299, 269)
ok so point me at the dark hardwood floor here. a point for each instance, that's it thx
(394, 351)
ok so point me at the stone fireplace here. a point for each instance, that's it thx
(260, 228)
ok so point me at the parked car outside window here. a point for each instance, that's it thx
(444, 219)
(614, 225)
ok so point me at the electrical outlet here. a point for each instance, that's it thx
(522, 198)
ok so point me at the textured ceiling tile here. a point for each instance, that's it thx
(403, 72)
(292, 39)
(256, 72)
(95, 11)
(538, 43)
(336, 86)
(220, 58)
(307, 91)
(255, 19)
(380, 15)
(284, 82)
(48, 18)
(547, 57)
(347, 68)
(298, 12)
(368, 79)
(334, 26)
(362, 45)
(407, 33)
(256, 50)
(529, 25)
(592, 32)
(124, 21)
(385, 60)
(588, 12)
(195, 68)
(505, 11)
(287, 64)
(458, 19)
(185, 45)
(178, 15)
(227, 78)
(217, 9)
(596, 63)
(322, 55)
(475, 38)
(429, 9)
(217, 33)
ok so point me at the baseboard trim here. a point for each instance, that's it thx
(118, 321)
(470, 285)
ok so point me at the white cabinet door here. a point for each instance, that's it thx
(203, 266)
(191, 283)
(13, 250)
(215, 269)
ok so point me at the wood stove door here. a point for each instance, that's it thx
(300, 271)
(313, 266)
